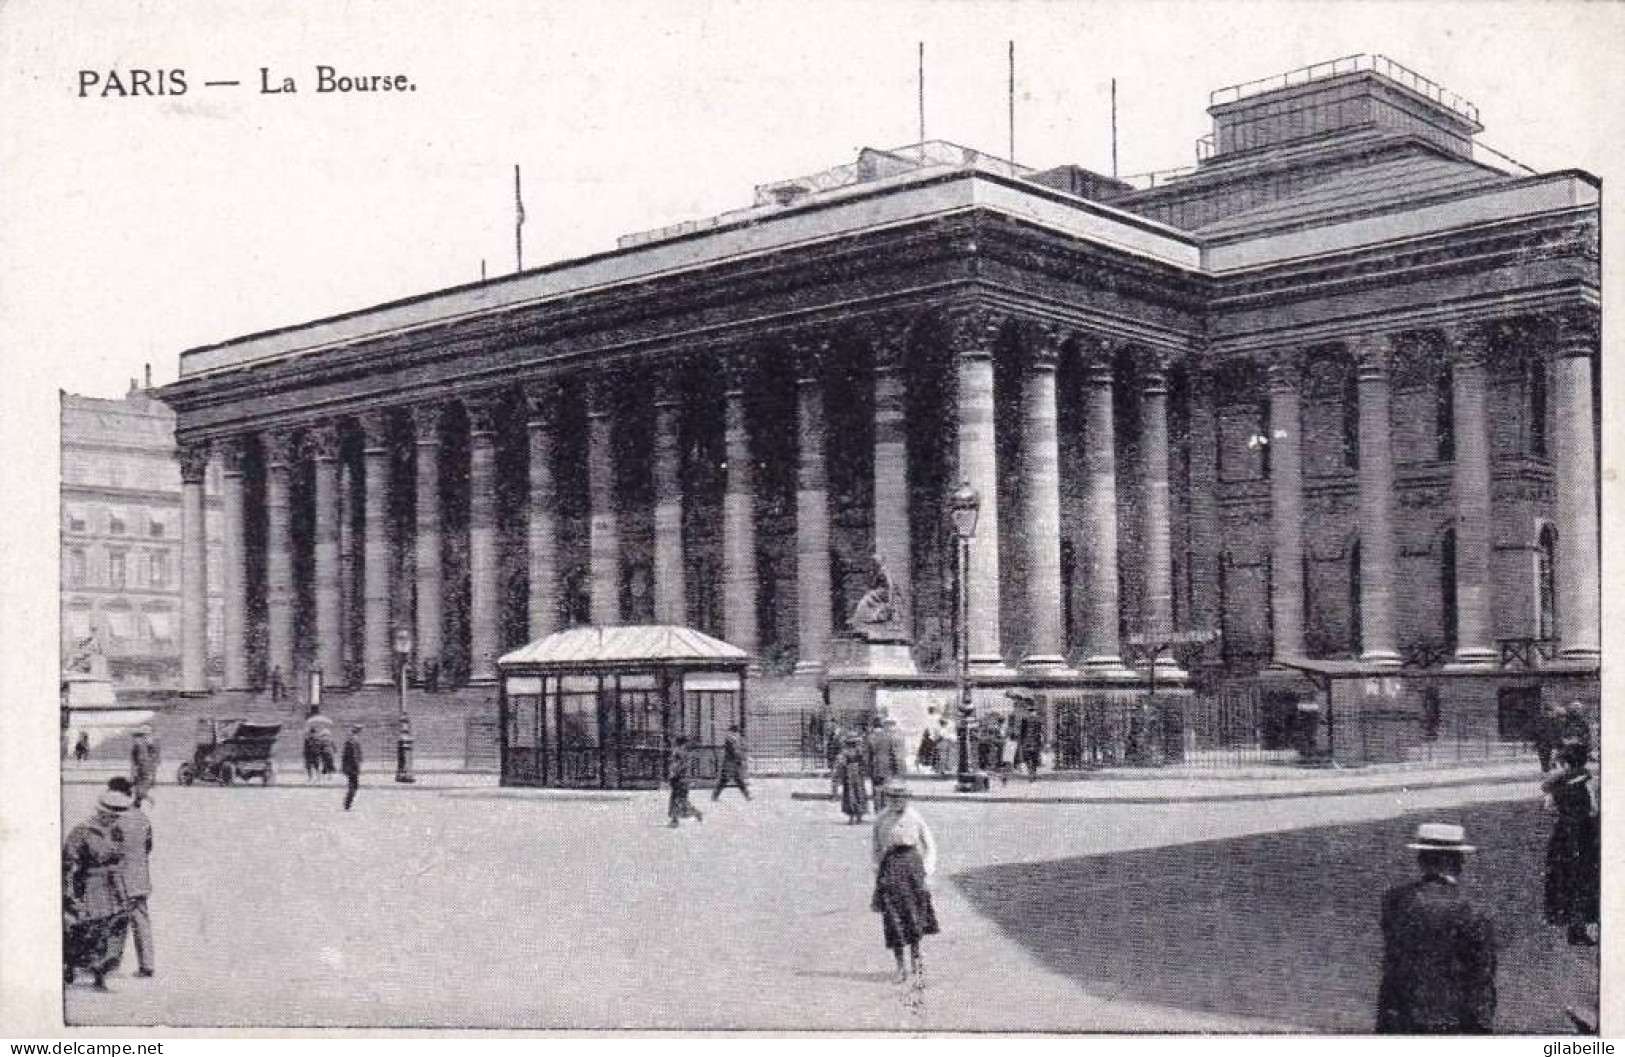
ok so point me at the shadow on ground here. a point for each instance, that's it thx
(1283, 926)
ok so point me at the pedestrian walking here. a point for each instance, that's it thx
(81, 748)
(734, 762)
(1438, 961)
(678, 770)
(143, 765)
(1547, 736)
(1574, 851)
(136, 829)
(905, 856)
(851, 770)
(887, 758)
(834, 749)
(95, 906)
(351, 765)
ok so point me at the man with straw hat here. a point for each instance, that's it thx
(95, 902)
(1438, 961)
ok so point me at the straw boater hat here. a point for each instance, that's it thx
(898, 791)
(112, 801)
(1440, 836)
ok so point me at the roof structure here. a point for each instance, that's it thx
(655, 643)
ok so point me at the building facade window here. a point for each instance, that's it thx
(156, 528)
(77, 521)
(116, 524)
(158, 570)
(116, 569)
(77, 566)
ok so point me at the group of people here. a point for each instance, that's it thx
(106, 882)
(732, 767)
(1439, 950)
(318, 749)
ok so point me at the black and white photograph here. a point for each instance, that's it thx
(991, 519)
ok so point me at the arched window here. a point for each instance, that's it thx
(1444, 413)
(1546, 582)
(1356, 641)
(1447, 585)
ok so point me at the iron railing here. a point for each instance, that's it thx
(1378, 64)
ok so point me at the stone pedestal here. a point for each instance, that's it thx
(881, 657)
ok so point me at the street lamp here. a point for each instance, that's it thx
(403, 743)
(962, 509)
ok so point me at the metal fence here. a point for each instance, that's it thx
(1233, 726)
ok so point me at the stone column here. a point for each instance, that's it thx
(1159, 584)
(975, 333)
(376, 649)
(1285, 442)
(893, 542)
(1574, 468)
(541, 401)
(194, 460)
(1041, 504)
(234, 551)
(278, 448)
(484, 572)
(739, 584)
(426, 564)
(604, 532)
(671, 590)
(1377, 564)
(814, 620)
(1468, 349)
(1096, 541)
(324, 446)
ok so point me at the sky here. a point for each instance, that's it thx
(137, 227)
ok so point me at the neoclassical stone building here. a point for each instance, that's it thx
(1332, 393)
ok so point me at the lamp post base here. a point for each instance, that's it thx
(403, 754)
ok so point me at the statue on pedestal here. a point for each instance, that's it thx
(875, 615)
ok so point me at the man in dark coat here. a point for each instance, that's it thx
(1438, 961)
(350, 764)
(95, 909)
(732, 771)
(678, 770)
(143, 765)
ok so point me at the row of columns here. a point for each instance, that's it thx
(1574, 472)
(974, 334)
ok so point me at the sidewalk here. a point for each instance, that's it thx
(1157, 786)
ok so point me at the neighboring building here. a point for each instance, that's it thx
(121, 541)
(1333, 392)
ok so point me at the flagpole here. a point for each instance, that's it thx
(518, 224)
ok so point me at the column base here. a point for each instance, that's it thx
(1473, 658)
(1043, 664)
(1166, 668)
(809, 668)
(990, 667)
(1580, 655)
(1384, 658)
(1107, 667)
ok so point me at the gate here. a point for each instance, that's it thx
(1093, 731)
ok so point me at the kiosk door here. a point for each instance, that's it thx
(579, 730)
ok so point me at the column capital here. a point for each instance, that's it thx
(1285, 369)
(601, 389)
(1044, 343)
(889, 336)
(322, 441)
(233, 454)
(194, 460)
(736, 368)
(279, 448)
(668, 389)
(541, 400)
(1579, 329)
(1154, 366)
(426, 419)
(812, 353)
(1373, 355)
(973, 330)
(1467, 344)
(374, 429)
(482, 412)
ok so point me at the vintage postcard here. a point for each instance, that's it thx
(1079, 518)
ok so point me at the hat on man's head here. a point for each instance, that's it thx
(141, 732)
(898, 791)
(111, 801)
(1440, 836)
(355, 728)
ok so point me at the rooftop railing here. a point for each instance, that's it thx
(1320, 71)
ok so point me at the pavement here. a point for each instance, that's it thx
(466, 905)
(1125, 786)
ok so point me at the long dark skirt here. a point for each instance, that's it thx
(901, 897)
(94, 944)
(854, 794)
(1573, 871)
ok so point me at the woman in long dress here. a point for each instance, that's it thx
(905, 855)
(96, 904)
(1573, 854)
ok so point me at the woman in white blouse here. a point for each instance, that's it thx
(905, 855)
